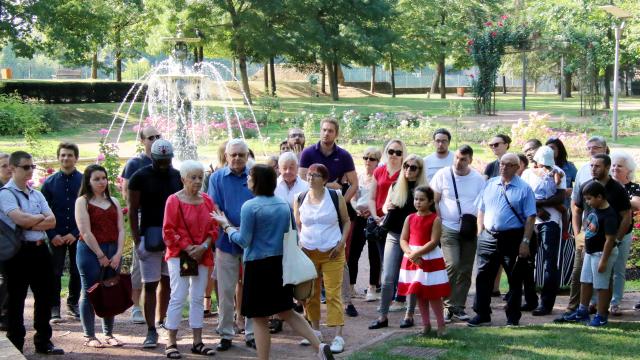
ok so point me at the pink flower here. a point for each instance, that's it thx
(100, 157)
(494, 34)
(472, 76)
(49, 171)
(103, 132)
(504, 17)
(30, 183)
(488, 23)
(125, 211)
(500, 23)
(41, 180)
(136, 128)
(470, 42)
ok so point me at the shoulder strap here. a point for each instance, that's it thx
(336, 204)
(14, 195)
(455, 190)
(301, 197)
(504, 193)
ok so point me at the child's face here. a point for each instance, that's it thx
(593, 201)
(421, 202)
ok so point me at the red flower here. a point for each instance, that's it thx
(125, 211)
(494, 34)
(49, 171)
(500, 23)
(488, 23)
(470, 42)
(471, 76)
(504, 17)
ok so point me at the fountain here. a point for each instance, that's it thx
(176, 100)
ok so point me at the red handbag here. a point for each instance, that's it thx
(112, 296)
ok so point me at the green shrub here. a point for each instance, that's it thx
(69, 91)
(18, 116)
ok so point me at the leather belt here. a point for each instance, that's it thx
(34, 243)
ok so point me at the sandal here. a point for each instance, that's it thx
(94, 343)
(112, 341)
(200, 349)
(171, 352)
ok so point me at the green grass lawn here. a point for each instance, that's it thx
(549, 341)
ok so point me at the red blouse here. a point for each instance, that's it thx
(199, 226)
(104, 223)
(384, 183)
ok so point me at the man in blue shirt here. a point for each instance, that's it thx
(61, 190)
(506, 215)
(229, 190)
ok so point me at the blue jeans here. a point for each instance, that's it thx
(392, 260)
(89, 269)
(549, 242)
(620, 269)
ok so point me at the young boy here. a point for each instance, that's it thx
(599, 229)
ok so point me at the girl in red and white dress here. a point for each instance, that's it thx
(423, 271)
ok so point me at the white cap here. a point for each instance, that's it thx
(161, 149)
(544, 156)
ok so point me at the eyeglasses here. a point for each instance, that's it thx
(154, 137)
(365, 158)
(239, 155)
(296, 135)
(495, 145)
(508, 164)
(595, 147)
(439, 141)
(529, 149)
(394, 152)
(27, 167)
(314, 175)
(410, 167)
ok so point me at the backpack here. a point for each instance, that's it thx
(334, 199)
(10, 238)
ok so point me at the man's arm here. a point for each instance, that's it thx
(134, 207)
(24, 220)
(576, 217)
(625, 222)
(49, 222)
(556, 199)
(528, 230)
(436, 201)
(125, 190)
(352, 178)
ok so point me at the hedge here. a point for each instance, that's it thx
(69, 91)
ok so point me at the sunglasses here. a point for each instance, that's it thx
(296, 135)
(495, 145)
(314, 175)
(365, 158)
(27, 167)
(154, 137)
(508, 164)
(410, 167)
(394, 152)
(239, 155)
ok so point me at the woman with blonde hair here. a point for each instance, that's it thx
(398, 205)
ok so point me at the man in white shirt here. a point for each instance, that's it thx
(442, 157)
(459, 249)
(289, 183)
(547, 227)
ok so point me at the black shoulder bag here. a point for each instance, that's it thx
(10, 238)
(188, 265)
(468, 222)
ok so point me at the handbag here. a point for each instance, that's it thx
(468, 222)
(10, 238)
(374, 232)
(188, 265)
(153, 240)
(304, 290)
(297, 268)
(111, 297)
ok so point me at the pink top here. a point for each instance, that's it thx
(199, 226)
(384, 183)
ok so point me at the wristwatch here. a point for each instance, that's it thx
(526, 241)
(206, 245)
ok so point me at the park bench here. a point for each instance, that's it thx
(67, 74)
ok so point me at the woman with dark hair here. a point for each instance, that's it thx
(265, 219)
(560, 157)
(101, 225)
(499, 145)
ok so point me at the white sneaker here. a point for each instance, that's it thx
(305, 342)
(324, 352)
(136, 315)
(397, 307)
(337, 345)
(371, 296)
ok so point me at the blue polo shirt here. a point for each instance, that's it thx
(134, 164)
(30, 201)
(339, 162)
(229, 191)
(498, 216)
(61, 191)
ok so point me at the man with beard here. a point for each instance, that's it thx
(296, 140)
(442, 157)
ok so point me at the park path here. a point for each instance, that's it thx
(68, 335)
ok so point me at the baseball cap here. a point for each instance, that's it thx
(161, 149)
(544, 156)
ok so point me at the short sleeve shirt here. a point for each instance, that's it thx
(155, 187)
(339, 162)
(30, 202)
(469, 188)
(498, 215)
(492, 169)
(596, 225)
(616, 196)
(434, 163)
(134, 164)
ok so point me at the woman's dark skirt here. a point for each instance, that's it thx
(263, 294)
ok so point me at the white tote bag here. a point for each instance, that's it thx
(296, 265)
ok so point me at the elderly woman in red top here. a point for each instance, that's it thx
(189, 233)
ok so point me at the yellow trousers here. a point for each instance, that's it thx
(330, 271)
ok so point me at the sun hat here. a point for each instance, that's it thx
(544, 156)
(161, 149)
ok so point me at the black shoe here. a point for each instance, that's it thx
(479, 321)
(513, 323)
(299, 309)
(528, 307)
(495, 293)
(562, 318)
(377, 324)
(275, 326)
(73, 311)
(351, 311)
(224, 345)
(55, 315)
(541, 311)
(49, 349)
(406, 323)
(251, 343)
(4, 326)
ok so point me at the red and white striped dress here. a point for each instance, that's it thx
(429, 280)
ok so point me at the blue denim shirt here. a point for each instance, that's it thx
(264, 220)
(229, 191)
(61, 191)
(497, 214)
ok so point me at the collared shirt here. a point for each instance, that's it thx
(498, 216)
(229, 191)
(61, 191)
(339, 162)
(287, 193)
(31, 202)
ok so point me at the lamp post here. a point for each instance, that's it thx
(621, 15)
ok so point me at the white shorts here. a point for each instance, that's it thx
(590, 274)
(152, 264)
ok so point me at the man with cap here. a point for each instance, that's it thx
(149, 189)
(549, 196)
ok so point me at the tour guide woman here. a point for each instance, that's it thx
(264, 221)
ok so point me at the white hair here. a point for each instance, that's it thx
(599, 139)
(629, 162)
(4, 155)
(511, 156)
(237, 142)
(190, 166)
(286, 157)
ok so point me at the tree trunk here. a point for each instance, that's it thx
(242, 60)
(373, 79)
(443, 87)
(393, 77)
(567, 84)
(94, 66)
(233, 65)
(504, 84)
(118, 66)
(323, 79)
(339, 75)
(435, 81)
(200, 53)
(265, 74)
(535, 86)
(606, 104)
(333, 86)
(626, 83)
(272, 68)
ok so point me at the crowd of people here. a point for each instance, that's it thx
(425, 221)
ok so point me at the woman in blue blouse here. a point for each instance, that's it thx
(263, 222)
(560, 157)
